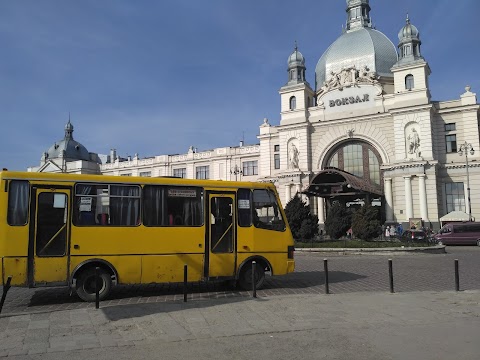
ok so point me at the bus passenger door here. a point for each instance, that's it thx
(222, 236)
(48, 260)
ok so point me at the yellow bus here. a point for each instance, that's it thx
(55, 229)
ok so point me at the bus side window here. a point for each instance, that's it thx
(245, 210)
(172, 206)
(18, 198)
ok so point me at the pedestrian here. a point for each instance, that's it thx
(393, 231)
(400, 229)
(387, 233)
(349, 233)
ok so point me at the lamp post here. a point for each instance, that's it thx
(235, 171)
(467, 148)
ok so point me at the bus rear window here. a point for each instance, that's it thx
(18, 193)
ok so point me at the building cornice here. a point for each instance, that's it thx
(409, 165)
(411, 109)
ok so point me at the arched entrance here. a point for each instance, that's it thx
(351, 175)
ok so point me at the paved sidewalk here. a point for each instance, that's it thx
(384, 321)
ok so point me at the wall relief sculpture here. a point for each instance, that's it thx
(349, 77)
(413, 142)
(292, 156)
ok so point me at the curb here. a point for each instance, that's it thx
(439, 249)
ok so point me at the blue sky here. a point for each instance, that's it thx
(154, 77)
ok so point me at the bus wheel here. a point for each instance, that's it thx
(86, 284)
(245, 279)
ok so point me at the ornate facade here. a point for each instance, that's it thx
(367, 132)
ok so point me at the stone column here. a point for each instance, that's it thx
(422, 192)
(288, 194)
(321, 210)
(408, 197)
(388, 199)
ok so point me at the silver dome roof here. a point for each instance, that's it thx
(360, 47)
(408, 31)
(67, 148)
(296, 58)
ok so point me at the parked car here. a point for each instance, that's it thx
(465, 233)
(414, 236)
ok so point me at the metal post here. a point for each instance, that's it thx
(97, 294)
(468, 189)
(254, 282)
(5, 290)
(185, 273)
(467, 147)
(457, 276)
(325, 267)
(390, 274)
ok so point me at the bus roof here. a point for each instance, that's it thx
(63, 177)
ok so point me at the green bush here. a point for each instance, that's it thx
(303, 223)
(365, 223)
(338, 221)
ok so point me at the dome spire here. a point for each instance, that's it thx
(69, 129)
(358, 14)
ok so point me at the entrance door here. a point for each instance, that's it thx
(50, 260)
(222, 236)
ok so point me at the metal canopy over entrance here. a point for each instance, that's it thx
(333, 182)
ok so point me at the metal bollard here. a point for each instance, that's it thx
(97, 290)
(325, 268)
(185, 273)
(254, 282)
(390, 274)
(457, 276)
(5, 290)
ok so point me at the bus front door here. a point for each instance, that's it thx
(48, 260)
(222, 236)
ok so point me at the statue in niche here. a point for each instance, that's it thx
(293, 157)
(413, 142)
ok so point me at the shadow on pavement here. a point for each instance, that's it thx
(129, 311)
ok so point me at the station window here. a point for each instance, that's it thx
(409, 82)
(202, 172)
(451, 141)
(250, 168)
(180, 173)
(450, 127)
(293, 103)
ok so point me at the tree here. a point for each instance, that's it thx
(303, 223)
(338, 221)
(365, 223)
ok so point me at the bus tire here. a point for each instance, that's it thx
(245, 279)
(86, 284)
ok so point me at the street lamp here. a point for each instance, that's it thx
(235, 171)
(466, 148)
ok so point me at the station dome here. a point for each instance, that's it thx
(67, 148)
(360, 45)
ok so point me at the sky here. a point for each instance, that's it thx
(155, 77)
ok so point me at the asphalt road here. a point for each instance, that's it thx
(347, 274)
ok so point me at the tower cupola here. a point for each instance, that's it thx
(296, 67)
(358, 14)
(409, 44)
